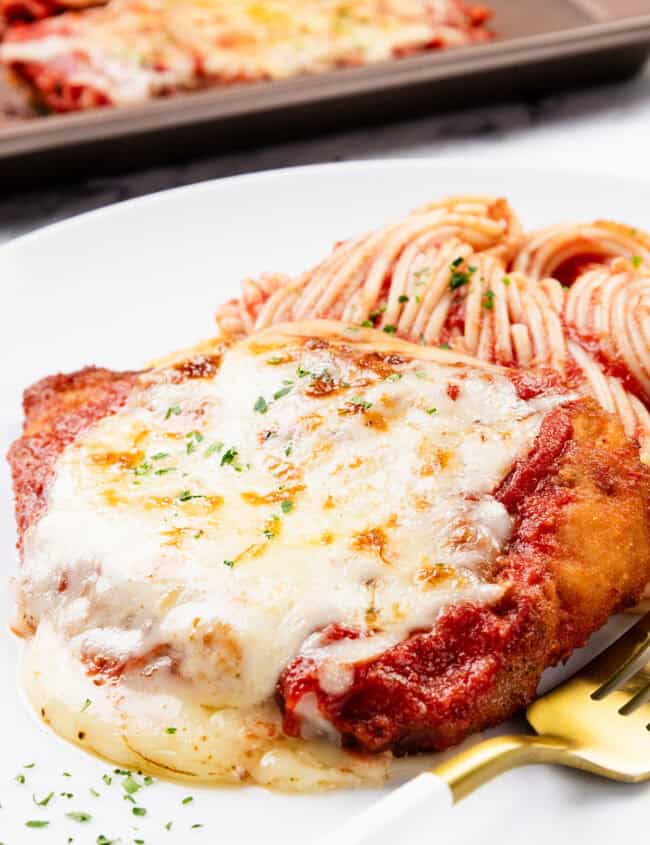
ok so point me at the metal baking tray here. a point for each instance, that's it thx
(541, 46)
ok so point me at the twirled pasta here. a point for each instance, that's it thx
(461, 273)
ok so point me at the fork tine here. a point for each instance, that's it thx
(637, 700)
(620, 661)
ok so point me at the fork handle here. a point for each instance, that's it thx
(444, 785)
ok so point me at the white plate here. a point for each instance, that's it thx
(120, 285)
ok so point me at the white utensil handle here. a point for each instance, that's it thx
(379, 823)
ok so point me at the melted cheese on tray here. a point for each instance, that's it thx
(202, 537)
(134, 49)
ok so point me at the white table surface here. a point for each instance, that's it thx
(602, 129)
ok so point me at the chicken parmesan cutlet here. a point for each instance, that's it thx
(285, 559)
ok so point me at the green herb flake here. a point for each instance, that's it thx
(36, 823)
(229, 563)
(360, 402)
(284, 391)
(431, 410)
(94, 792)
(138, 811)
(506, 280)
(138, 842)
(229, 456)
(445, 346)
(194, 826)
(82, 818)
(66, 794)
(288, 450)
(170, 730)
(287, 506)
(104, 840)
(300, 372)
(129, 798)
(488, 300)
(130, 784)
(403, 298)
(29, 765)
(159, 456)
(394, 377)
(20, 778)
(420, 274)
(44, 801)
(637, 260)
(214, 447)
(108, 780)
(148, 780)
(86, 705)
(168, 826)
(261, 405)
(185, 496)
(275, 360)
(390, 329)
(173, 409)
(187, 800)
(459, 277)
(367, 325)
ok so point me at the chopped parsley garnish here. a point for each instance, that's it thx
(488, 300)
(390, 329)
(143, 468)
(418, 298)
(637, 260)
(261, 406)
(159, 456)
(214, 447)
(445, 346)
(403, 298)
(301, 373)
(36, 823)
(138, 811)
(130, 784)
(287, 506)
(185, 496)
(67, 775)
(194, 826)
(20, 778)
(361, 403)
(173, 409)
(459, 277)
(367, 325)
(229, 563)
(229, 456)
(138, 842)
(29, 765)
(506, 280)
(86, 705)
(79, 817)
(187, 800)
(94, 792)
(431, 410)
(168, 826)
(129, 798)
(44, 801)
(148, 780)
(165, 470)
(170, 730)
(104, 840)
(419, 274)
(274, 360)
(288, 450)
(66, 794)
(394, 377)
(193, 440)
(108, 780)
(283, 391)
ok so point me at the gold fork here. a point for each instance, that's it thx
(596, 721)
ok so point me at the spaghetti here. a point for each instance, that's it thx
(461, 273)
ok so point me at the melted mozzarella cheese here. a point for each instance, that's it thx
(209, 531)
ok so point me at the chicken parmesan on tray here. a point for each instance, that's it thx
(133, 50)
(294, 552)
